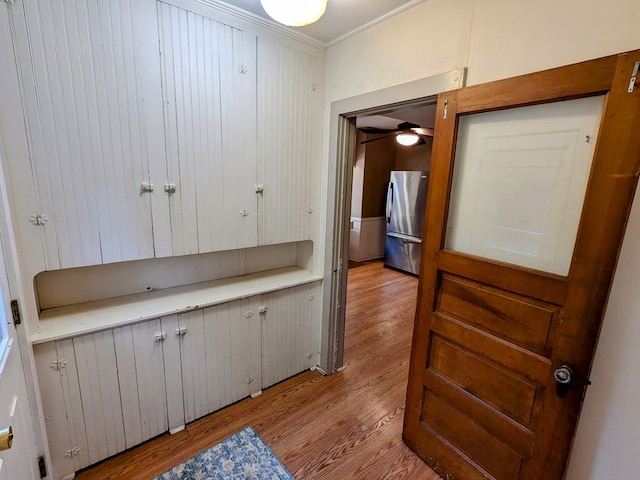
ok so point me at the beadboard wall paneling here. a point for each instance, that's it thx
(288, 121)
(100, 394)
(82, 96)
(208, 77)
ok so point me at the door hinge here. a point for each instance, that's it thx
(15, 312)
(634, 74)
(42, 467)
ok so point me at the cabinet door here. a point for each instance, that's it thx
(141, 377)
(208, 85)
(87, 95)
(289, 120)
(220, 352)
(288, 339)
(103, 393)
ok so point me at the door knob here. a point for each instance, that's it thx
(6, 438)
(563, 376)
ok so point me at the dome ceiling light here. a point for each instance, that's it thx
(295, 13)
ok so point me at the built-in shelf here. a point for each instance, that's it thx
(73, 320)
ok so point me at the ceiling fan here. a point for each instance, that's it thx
(407, 134)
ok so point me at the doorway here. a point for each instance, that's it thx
(342, 141)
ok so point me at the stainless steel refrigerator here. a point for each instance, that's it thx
(406, 202)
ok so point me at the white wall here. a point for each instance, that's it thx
(497, 39)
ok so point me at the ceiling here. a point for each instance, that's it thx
(342, 17)
(424, 115)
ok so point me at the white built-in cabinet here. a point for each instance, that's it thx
(158, 129)
(110, 390)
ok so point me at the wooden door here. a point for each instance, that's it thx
(531, 185)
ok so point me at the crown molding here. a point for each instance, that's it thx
(373, 23)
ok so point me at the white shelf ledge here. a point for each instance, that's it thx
(73, 320)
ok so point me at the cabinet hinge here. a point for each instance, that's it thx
(259, 188)
(15, 312)
(38, 219)
(262, 309)
(634, 74)
(42, 467)
(58, 364)
(72, 453)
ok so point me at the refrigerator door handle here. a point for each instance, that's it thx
(389, 201)
(405, 238)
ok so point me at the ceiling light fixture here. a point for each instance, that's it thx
(407, 138)
(295, 13)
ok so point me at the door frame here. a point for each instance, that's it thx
(339, 172)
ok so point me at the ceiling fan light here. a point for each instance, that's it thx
(407, 139)
(295, 13)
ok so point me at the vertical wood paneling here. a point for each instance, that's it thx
(87, 136)
(288, 121)
(141, 379)
(173, 372)
(128, 379)
(97, 373)
(194, 357)
(54, 409)
(151, 381)
(73, 404)
(208, 78)
(286, 334)
(215, 354)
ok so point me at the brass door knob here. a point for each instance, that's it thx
(6, 438)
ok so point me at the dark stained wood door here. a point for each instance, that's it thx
(491, 330)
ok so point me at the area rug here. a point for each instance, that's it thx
(243, 455)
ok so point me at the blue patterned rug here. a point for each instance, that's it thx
(243, 455)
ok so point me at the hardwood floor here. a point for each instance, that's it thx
(342, 426)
